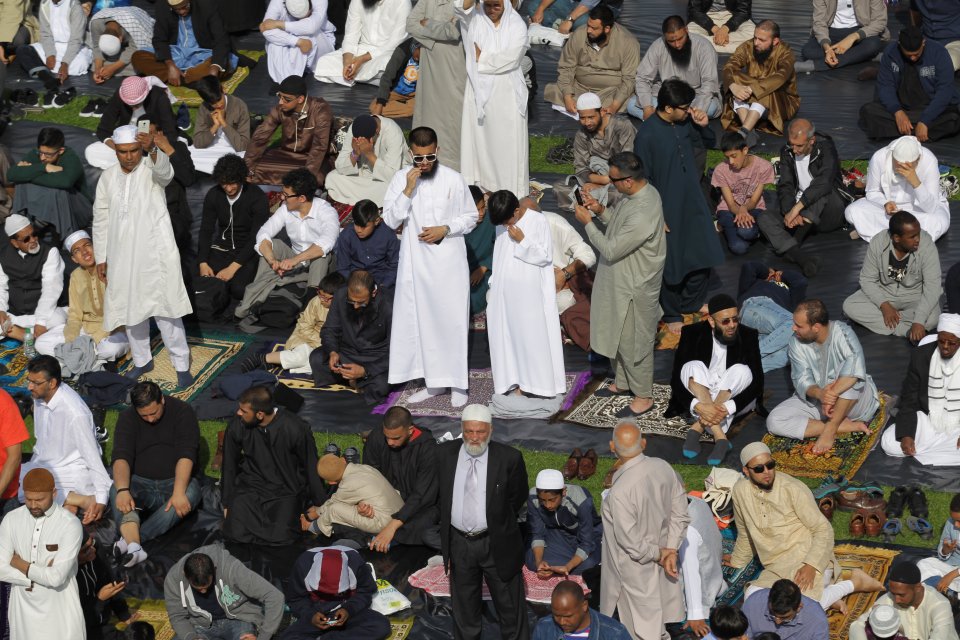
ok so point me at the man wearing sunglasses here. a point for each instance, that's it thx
(779, 521)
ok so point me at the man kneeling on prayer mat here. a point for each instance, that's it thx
(717, 376)
(39, 543)
(928, 421)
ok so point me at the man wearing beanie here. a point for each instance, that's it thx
(297, 33)
(601, 136)
(717, 376)
(482, 488)
(373, 152)
(924, 613)
(779, 521)
(927, 428)
(304, 122)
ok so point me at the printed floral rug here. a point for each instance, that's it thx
(875, 562)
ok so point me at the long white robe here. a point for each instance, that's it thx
(46, 604)
(522, 321)
(431, 303)
(283, 57)
(377, 31)
(494, 146)
(132, 233)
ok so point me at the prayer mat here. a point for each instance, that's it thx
(300, 381)
(875, 562)
(209, 355)
(434, 581)
(737, 579)
(667, 340)
(400, 628)
(13, 363)
(481, 392)
(191, 98)
(845, 459)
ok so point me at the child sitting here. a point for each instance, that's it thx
(942, 572)
(741, 180)
(368, 246)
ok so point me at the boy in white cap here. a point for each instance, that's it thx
(297, 33)
(902, 176)
(31, 281)
(564, 526)
(600, 137)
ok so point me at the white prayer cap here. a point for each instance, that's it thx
(15, 223)
(125, 134)
(884, 621)
(74, 238)
(109, 45)
(906, 149)
(949, 322)
(588, 101)
(550, 480)
(476, 413)
(753, 450)
(298, 8)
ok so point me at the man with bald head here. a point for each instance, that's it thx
(39, 543)
(928, 427)
(808, 194)
(644, 521)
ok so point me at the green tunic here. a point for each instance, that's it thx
(480, 254)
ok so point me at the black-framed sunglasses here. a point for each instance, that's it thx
(27, 238)
(430, 157)
(769, 466)
(730, 320)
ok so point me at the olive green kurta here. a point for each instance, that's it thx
(774, 85)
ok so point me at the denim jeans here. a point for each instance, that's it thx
(151, 497)
(558, 11)
(634, 109)
(226, 629)
(775, 325)
(738, 238)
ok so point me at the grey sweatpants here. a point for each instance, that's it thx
(862, 310)
(267, 279)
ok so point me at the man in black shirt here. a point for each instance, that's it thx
(154, 453)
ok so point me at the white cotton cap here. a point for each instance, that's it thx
(125, 134)
(298, 8)
(109, 45)
(906, 149)
(588, 101)
(550, 480)
(74, 238)
(884, 621)
(751, 451)
(476, 413)
(949, 322)
(15, 223)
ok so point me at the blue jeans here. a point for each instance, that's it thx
(775, 325)
(151, 497)
(738, 238)
(226, 629)
(556, 12)
(634, 109)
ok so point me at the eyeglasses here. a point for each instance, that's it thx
(730, 320)
(430, 157)
(27, 238)
(48, 154)
(284, 196)
(760, 467)
(37, 383)
(616, 180)
(284, 98)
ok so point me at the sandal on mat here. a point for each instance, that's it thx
(920, 526)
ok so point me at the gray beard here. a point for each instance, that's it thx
(476, 450)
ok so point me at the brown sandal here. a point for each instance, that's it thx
(827, 506)
(857, 525)
(873, 522)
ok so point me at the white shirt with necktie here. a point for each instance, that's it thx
(470, 518)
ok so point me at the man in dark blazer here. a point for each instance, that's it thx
(482, 487)
(726, 29)
(717, 376)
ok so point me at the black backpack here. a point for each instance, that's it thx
(282, 306)
(211, 297)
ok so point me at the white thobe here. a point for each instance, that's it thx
(67, 447)
(494, 147)
(934, 446)
(568, 247)
(132, 233)
(59, 20)
(377, 31)
(283, 57)
(524, 329)
(716, 377)
(349, 183)
(927, 202)
(44, 603)
(431, 303)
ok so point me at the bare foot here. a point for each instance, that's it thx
(840, 605)
(638, 405)
(823, 444)
(853, 426)
(675, 327)
(613, 388)
(865, 583)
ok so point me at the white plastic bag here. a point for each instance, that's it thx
(388, 600)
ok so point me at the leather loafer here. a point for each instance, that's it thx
(827, 506)
(572, 467)
(873, 522)
(588, 465)
(857, 525)
(856, 500)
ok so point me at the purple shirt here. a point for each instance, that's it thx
(810, 622)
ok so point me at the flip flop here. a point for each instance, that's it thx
(921, 527)
(891, 530)
(720, 451)
(604, 392)
(691, 444)
(627, 412)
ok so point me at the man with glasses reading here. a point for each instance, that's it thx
(779, 521)
(717, 376)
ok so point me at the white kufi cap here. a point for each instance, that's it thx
(906, 149)
(14, 223)
(74, 238)
(588, 101)
(298, 8)
(109, 45)
(949, 322)
(550, 480)
(751, 451)
(125, 134)
(476, 413)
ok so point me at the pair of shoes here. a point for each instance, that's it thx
(850, 499)
(572, 466)
(26, 97)
(588, 465)
(830, 486)
(350, 454)
(920, 526)
(627, 412)
(58, 99)
(183, 117)
(93, 108)
(867, 522)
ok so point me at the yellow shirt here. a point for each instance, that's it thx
(86, 307)
(308, 326)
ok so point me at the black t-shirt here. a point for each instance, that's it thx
(152, 450)
(209, 603)
(896, 269)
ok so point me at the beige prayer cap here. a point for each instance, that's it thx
(753, 450)
(38, 480)
(330, 468)
(949, 322)
(588, 101)
(476, 413)
(906, 149)
(15, 223)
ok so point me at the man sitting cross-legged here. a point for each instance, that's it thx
(832, 392)
(717, 376)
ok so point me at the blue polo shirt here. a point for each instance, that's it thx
(810, 622)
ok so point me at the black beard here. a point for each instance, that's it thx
(722, 339)
(762, 56)
(357, 316)
(764, 487)
(251, 424)
(681, 57)
(370, 4)
(598, 40)
(432, 173)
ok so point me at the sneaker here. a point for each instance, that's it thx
(86, 111)
(58, 99)
(103, 436)
(98, 106)
(183, 117)
(25, 97)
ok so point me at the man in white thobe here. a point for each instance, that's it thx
(133, 238)
(39, 543)
(297, 33)
(644, 522)
(701, 556)
(494, 147)
(928, 421)
(374, 151)
(526, 352)
(66, 442)
(902, 176)
(431, 304)
(374, 29)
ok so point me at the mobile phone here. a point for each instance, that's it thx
(578, 196)
(143, 126)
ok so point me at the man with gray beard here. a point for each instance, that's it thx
(480, 537)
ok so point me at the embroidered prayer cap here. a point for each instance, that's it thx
(109, 44)
(293, 86)
(126, 134)
(721, 302)
(906, 149)
(134, 90)
(904, 572)
(74, 238)
(330, 467)
(15, 223)
(550, 480)
(330, 572)
(298, 8)
(884, 621)
(949, 322)
(588, 101)
(38, 480)
(176, 3)
(476, 413)
(364, 126)
(753, 450)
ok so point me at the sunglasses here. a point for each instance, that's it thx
(27, 238)
(730, 320)
(430, 157)
(760, 467)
